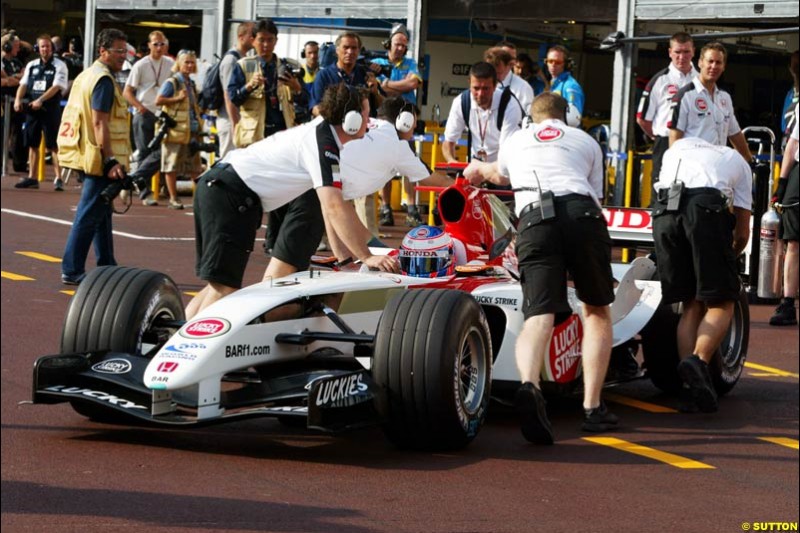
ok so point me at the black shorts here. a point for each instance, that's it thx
(790, 218)
(660, 146)
(694, 248)
(227, 214)
(44, 120)
(576, 241)
(300, 230)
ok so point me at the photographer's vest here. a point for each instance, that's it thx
(77, 146)
(253, 112)
(182, 132)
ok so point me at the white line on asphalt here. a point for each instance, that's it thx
(120, 233)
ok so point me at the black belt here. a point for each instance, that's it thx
(694, 191)
(558, 200)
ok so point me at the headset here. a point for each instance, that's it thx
(396, 28)
(8, 46)
(353, 120)
(405, 119)
(303, 50)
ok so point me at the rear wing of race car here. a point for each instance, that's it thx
(629, 226)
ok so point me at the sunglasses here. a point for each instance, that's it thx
(187, 51)
(555, 62)
(159, 44)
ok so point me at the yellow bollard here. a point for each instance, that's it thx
(40, 162)
(155, 185)
(432, 195)
(628, 193)
(394, 200)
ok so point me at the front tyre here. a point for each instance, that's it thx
(433, 356)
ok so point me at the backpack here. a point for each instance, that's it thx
(466, 103)
(327, 55)
(212, 95)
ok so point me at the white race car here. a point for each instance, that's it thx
(338, 349)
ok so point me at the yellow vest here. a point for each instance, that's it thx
(77, 146)
(253, 112)
(182, 133)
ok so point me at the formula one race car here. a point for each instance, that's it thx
(334, 350)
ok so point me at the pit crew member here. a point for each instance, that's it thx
(701, 109)
(556, 172)
(654, 106)
(43, 82)
(559, 65)
(231, 197)
(697, 237)
(788, 194)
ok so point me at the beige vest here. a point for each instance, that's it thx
(182, 133)
(77, 146)
(253, 112)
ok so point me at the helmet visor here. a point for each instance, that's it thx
(431, 264)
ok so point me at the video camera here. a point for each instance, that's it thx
(367, 58)
(165, 123)
(288, 70)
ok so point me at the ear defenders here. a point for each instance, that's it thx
(405, 119)
(353, 120)
(303, 50)
(9, 44)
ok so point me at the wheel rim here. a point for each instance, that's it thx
(730, 348)
(151, 337)
(472, 371)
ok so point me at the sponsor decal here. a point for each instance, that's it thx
(496, 300)
(167, 367)
(420, 233)
(477, 208)
(205, 328)
(159, 379)
(340, 390)
(672, 89)
(417, 253)
(113, 366)
(331, 155)
(549, 134)
(391, 277)
(632, 220)
(96, 395)
(245, 350)
(565, 350)
(175, 352)
(701, 105)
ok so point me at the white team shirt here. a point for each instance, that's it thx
(521, 89)
(287, 164)
(698, 163)
(368, 163)
(654, 106)
(698, 113)
(483, 120)
(565, 159)
(147, 77)
(60, 79)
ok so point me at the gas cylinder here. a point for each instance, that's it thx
(770, 261)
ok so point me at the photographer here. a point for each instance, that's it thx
(94, 140)
(178, 99)
(42, 84)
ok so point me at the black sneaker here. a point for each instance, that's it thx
(58, 185)
(694, 372)
(531, 407)
(599, 419)
(386, 217)
(27, 183)
(72, 280)
(686, 403)
(784, 315)
(412, 217)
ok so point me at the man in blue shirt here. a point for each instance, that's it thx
(788, 117)
(563, 83)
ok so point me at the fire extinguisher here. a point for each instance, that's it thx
(770, 259)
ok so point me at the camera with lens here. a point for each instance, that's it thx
(126, 183)
(367, 58)
(165, 123)
(197, 146)
(287, 70)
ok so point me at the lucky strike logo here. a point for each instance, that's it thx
(672, 89)
(701, 104)
(205, 328)
(549, 134)
(565, 350)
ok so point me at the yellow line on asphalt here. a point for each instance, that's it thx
(644, 406)
(651, 453)
(774, 371)
(15, 277)
(782, 441)
(40, 257)
(68, 292)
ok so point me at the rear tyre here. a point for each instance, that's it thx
(433, 357)
(120, 309)
(728, 363)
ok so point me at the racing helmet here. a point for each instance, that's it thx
(427, 252)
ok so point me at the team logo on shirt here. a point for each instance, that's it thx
(672, 89)
(701, 105)
(548, 134)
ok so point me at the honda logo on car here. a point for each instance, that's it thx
(549, 134)
(113, 366)
(339, 389)
(205, 328)
(167, 367)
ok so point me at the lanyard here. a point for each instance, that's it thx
(157, 75)
(483, 126)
